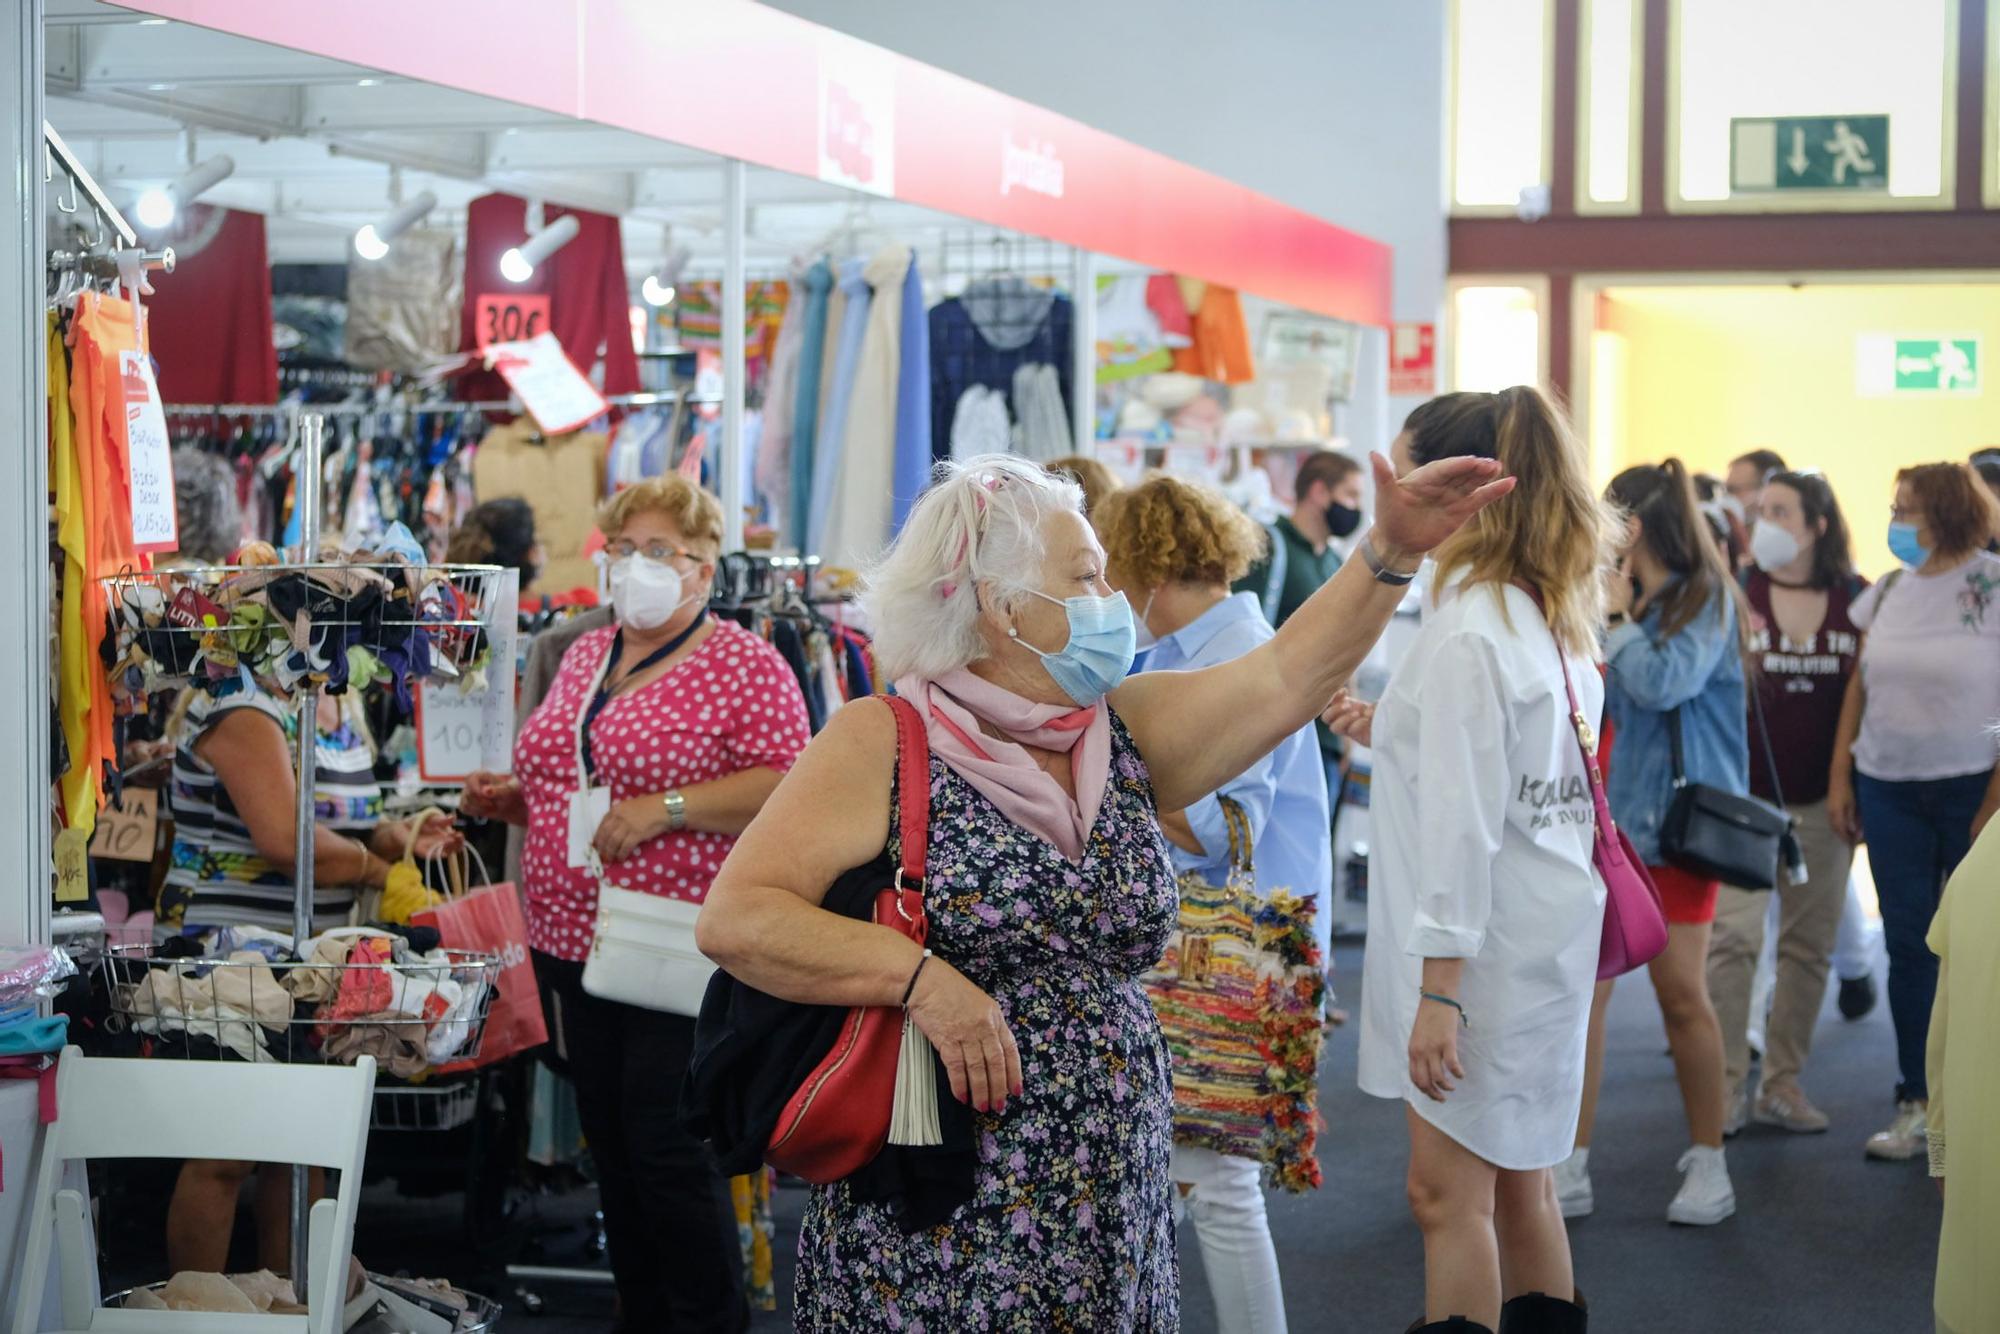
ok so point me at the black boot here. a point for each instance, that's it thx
(1539, 1313)
(1458, 1324)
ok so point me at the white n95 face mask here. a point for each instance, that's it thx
(1772, 547)
(645, 593)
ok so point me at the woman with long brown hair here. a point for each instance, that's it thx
(1485, 908)
(1675, 666)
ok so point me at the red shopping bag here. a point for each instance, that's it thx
(490, 919)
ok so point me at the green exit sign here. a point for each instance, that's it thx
(1776, 153)
(1896, 364)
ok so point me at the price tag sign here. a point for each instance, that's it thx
(125, 829)
(460, 731)
(548, 383)
(509, 317)
(72, 866)
(149, 457)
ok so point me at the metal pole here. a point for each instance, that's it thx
(1083, 349)
(312, 444)
(729, 463)
(24, 522)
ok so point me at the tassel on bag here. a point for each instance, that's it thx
(913, 1114)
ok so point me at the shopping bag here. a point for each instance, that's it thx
(490, 919)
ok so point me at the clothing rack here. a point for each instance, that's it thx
(435, 407)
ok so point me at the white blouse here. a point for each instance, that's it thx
(1483, 826)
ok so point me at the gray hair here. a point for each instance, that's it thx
(205, 507)
(979, 524)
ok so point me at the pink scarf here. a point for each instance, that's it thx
(954, 705)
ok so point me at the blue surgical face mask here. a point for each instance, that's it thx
(1905, 547)
(1100, 648)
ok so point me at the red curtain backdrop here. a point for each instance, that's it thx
(210, 319)
(589, 306)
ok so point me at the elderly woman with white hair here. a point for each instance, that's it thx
(1049, 888)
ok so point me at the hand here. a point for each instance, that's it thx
(437, 837)
(970, 1033)
(1352, 718)
(1434, 1050)
(1618, 589)
(1840, 808)
(627, 824)
(490, 796)
(1415, 513)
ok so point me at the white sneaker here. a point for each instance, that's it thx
(1906, 1136)
(1737, 1114)
(1573, 1185)
(1706, 1197)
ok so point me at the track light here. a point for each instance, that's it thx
(372, 241)
(519, 264)
(658, 289)
(158, 207)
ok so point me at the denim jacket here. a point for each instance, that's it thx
(1700, 670)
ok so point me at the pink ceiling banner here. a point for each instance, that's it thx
(840, 110)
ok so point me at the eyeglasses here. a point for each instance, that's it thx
(654, 551)
(1901, 515)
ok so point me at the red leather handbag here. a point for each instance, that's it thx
(880, 1068)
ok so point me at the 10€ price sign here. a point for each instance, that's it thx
(461, 731)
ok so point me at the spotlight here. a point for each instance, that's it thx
(658, 289)
(519, 264)
(656, 292)
(372, 241)
(159, 206)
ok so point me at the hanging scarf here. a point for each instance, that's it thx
(954, 706)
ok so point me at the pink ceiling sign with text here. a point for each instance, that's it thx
(742, 80)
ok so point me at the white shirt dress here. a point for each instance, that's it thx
(1483, 825)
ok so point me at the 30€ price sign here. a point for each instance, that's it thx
(509, 317)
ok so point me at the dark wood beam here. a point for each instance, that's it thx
(1561, 292)
(1653, 108)
(1728, 243)
(1564, 111)
(1973, 145)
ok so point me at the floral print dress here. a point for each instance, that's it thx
(1069, 1226)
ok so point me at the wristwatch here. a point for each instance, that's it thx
(1383, 574)
(677, 811)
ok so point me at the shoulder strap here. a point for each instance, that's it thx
(1674, 745)
(1274, 579)
(913, 781)
(1586, 735)
(1764, 738)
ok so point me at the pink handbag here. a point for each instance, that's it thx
(1635, 925)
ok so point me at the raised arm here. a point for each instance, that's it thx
(1200, 729)
(1662, 674)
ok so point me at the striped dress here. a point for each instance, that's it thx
(218, 878)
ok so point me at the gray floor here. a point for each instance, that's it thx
(1823, 1240)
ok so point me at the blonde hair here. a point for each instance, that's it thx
(1098, 482)
(693, 511)
(976, 531)
(1166, 530)
(1552, 532)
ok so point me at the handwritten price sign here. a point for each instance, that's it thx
(511, 317)
(460, 731)
(125, 829)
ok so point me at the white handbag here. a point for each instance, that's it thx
(642, 951)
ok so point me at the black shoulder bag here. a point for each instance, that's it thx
(1729, 836)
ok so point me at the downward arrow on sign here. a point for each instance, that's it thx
(1798, 161)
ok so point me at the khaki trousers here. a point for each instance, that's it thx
(1808, 922)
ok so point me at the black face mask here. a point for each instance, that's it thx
(1342, 520)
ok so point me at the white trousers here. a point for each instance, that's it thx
(1226, 1205)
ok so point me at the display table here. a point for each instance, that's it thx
(20, 1139)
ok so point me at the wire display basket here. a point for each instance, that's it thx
(288, 623)
(425, 1107)
(411, 1016)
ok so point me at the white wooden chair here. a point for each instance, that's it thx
(135, 1108)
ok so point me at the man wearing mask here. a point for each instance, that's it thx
(1746, 480)
(1302, 556)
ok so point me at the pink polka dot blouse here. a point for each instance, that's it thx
(732, 705)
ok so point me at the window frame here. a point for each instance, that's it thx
(1819, 201)
(1635, 107)
(1548, 138)
(1989, 171)
(1536, 284)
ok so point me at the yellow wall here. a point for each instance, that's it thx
(1709, 373)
